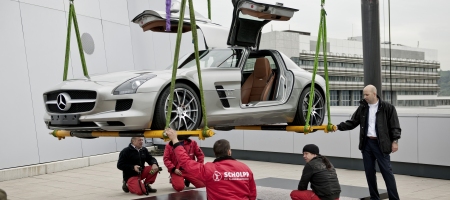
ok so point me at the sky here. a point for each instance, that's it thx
(413, 22)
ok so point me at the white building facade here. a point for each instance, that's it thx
(412, 71)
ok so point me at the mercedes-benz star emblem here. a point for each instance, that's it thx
(63, 101)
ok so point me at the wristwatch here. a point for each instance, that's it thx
(395, 141)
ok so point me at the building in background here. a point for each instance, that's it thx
(412, 71)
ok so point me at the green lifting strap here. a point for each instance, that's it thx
(209, 9)
(72, 16)
(175, 64)
(322, 37)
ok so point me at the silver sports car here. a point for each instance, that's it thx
(242, 84)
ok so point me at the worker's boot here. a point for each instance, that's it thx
(125, 187)
(150, 189)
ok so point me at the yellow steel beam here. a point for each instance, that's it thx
(61, 134)
(201, 134)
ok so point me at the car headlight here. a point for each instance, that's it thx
(131, 86)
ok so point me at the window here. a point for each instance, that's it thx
(210, 59)
(387, 96)
(334, 101)
(296, 60)
(356, 97)
(250, 64)
(345, 97)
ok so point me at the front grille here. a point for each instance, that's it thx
(74, 94)
(75, 108)
(123, 104)
(81, 124)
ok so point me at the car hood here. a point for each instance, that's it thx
(118, 77)
(109, 81)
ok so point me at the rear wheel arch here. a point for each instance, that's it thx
(298, 120)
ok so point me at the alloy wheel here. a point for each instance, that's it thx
(185, 109)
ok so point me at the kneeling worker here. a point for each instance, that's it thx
(180, 177)
(132, 163)
(321, 173)
(225, 178)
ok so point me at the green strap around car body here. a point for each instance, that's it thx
(322, 37)
(175, 63)
(72, 16)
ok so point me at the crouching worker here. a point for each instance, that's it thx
(132, 163)
(321, 174)
(225, 178)
(179, 177)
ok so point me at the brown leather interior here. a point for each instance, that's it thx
(261, 15)
(258, 85)
(160, 26)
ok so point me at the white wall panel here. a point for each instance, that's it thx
(162, 50)
(433, 141)
(95, 62)
(407, 144)
(273, 141)
(345, 43)
(339, 50)
(89, 8)
(119, 55)
(53, 4)
(45, 37)
(187, 44)
(159, 5)
(330, 144)
(353, 135)
(339, 43)
(115, 11)
(122, 142)
(142, 42)
(358, 45)
(143, 49)
(235, 137)
(98, 146)
(354, 142)
(137, 7)
(306, 47)
(16, 106)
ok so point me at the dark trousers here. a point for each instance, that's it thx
(372, 152)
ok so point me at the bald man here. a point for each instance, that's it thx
(378, 137)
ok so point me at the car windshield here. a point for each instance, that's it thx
(209, 59)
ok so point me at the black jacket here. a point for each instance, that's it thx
(324, 182)
(129, 157)
(387, 124)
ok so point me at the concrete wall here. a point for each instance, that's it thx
(32, 50)
(423, 140)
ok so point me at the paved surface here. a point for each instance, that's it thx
(103, 181)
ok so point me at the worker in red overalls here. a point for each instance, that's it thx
(179, 177)
(225, 178)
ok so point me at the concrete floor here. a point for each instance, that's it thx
(103, 181)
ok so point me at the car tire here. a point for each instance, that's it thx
(317, 112)
(184, 116)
